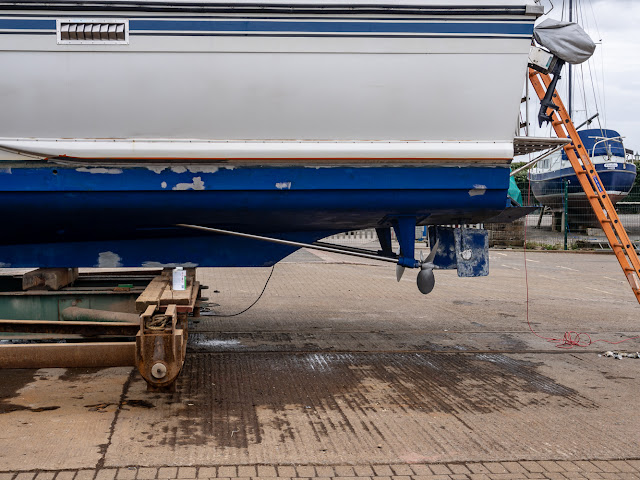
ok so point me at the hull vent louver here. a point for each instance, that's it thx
(103, 31)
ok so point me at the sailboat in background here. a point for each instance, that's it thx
(616, 170)
(605, 146)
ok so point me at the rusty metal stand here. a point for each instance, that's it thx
(151, 311)
(161, 343)
(160, 348)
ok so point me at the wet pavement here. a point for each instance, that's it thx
(340, 371)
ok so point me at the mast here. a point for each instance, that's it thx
(570, 68)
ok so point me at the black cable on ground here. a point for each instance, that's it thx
(250, 306)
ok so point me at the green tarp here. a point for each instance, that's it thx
(514, 191)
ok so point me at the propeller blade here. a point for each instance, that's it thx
(432, 253)
(426, 280)
(399, 271)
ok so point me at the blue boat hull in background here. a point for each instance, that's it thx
(548, 187)
(72, 210)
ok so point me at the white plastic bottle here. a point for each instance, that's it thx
(179, 279)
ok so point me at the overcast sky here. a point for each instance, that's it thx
(614, 25)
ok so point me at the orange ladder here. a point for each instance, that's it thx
(617, 236)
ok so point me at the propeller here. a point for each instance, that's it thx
(426, 279)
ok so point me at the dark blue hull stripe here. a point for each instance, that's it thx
(318, 27)
(331, 27)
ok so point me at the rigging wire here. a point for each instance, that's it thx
(584, 93)
(599, 81)
(594, 84)
(595, 98)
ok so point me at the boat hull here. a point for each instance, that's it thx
(548, 188)
(297, 120)
(127, 216)
(241, 85)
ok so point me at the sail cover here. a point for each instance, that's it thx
(565, 40)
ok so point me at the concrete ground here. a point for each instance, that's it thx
(340, 371)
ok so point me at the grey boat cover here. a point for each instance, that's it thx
(565, 40)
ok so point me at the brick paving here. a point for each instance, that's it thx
(541, 469)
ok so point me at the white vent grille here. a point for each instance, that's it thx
(93, 32)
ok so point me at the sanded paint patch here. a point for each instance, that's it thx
(100, 170)
(152, 264)
(190, 168)
(6, 171)
(283, 185)
(478, 190)
(197, 184)
(202, 168)
(163, 184)
(109, 260)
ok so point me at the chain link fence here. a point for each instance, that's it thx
(566, 221)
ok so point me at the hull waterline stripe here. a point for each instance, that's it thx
(332, 27)
(27, 24)
(326, 27)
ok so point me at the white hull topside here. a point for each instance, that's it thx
(193, 85)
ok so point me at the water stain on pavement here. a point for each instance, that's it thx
(225, 397)
(14, 380)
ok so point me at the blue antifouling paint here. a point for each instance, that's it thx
(472, 252)
(445, 258)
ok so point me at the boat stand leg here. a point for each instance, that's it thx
(160, 347)
(542, 210)
(161, 343)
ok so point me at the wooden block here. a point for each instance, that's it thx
(177, 297)
(148, 313)
(171, 312)
(195, 291)
(49, 278)
(152, 294)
